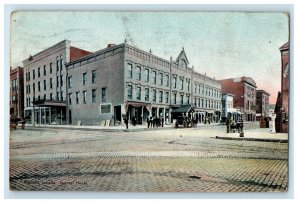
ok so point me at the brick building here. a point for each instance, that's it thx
(282, 104)
(17, 92)
(122, 79)
(262, 103)
(45, 83)
(244, 91)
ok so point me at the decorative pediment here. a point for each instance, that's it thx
(182, 59)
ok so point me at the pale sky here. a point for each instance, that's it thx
(222, 45)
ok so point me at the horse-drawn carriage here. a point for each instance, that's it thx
(185, 122)
(233, 126)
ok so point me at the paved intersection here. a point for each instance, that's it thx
(183, 160)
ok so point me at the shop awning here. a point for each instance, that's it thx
(184, 109)
(50, 103)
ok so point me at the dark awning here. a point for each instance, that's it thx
(50, 103)
(184, 109)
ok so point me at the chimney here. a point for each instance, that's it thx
(111, 45)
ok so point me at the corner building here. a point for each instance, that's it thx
(122, 79)
(45, 83)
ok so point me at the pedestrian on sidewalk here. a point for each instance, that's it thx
(148, 121)
(162, 122)
(125, 121)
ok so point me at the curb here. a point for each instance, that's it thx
(253, 139)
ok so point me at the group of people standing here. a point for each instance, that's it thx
(155, 121)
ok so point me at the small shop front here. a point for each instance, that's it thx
(44, 112)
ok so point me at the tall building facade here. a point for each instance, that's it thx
(17, 92)
(282, 104)
(45, 83)
(124, 80)
(244, 91)
(262, 103)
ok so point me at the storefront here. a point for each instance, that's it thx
(45, 112)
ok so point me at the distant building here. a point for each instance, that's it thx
(45, 83)
(262, 103)
(244, 91)
(228, 111)
(282, 104)
(17, 92)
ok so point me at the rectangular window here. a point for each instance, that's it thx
(146, 94)
(57, 96)
(70, 81)
(195, 90)
(84, 97)
(33, 87)
(147, 75)
(188, 99)
(138, 73)
(61, 64)
(45, 86)
(199, 90)
(167, 80)
(181, 84)
(51, 97)
(61, 96)
(154, 96)
(61, 80)
(160, 78)
(57, 81)
(138, 93)
(44, 96)
(154, 77)
(39, 72)
(84, 78)
(129, 92)
(77, 97)
(28, 76)
(57, 65)
(195, 102)
(160, 96)
(70, 98)
(93, 95)
(105, 108)
(103, 94)
(202, 103)
(28, 89)
(44, 69)
(167, 97)
(93, 76)
(174, 98)
(181, 99)
(50, 68)
(39, 86)
(50, 83)
(129, 70)
(33, 74)
(174, 82)
(188, 86)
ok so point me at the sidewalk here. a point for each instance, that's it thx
(255, 134)
(260, 135)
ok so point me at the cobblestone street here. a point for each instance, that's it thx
(160, 160)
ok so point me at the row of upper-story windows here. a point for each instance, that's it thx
(182, 83)
(206, 90)
(84, 79)
(82, 97)
(59, 82)
(152, 76)
(156, 95)
(183, 99)
(40, 71)
(207, 103)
